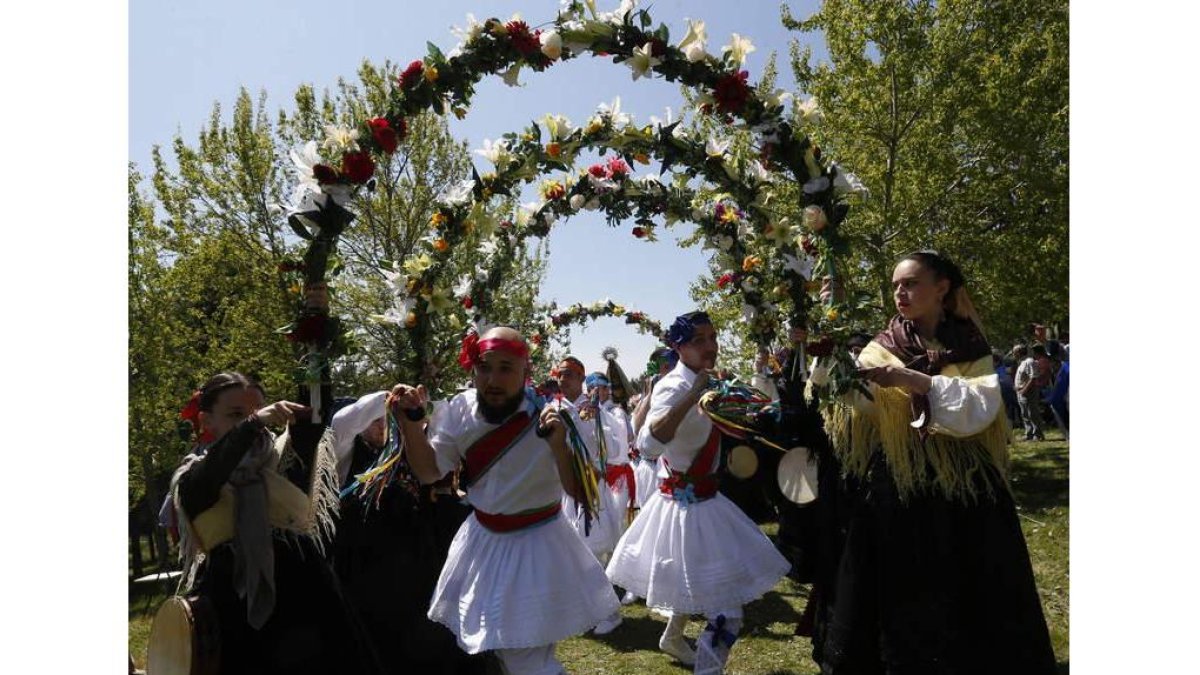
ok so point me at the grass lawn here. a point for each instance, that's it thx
(766, 644)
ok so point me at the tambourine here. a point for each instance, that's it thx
(742, 462)
(798, 476)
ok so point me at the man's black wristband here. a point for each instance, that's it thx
(414, 414)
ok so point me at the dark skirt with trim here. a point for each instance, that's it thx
(929, 586)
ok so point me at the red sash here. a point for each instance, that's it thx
(503, 522)
(701, 475)
(484, 452)
(613, 476)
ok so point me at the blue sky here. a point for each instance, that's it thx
(183, 57)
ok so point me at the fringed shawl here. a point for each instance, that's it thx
(952, 466)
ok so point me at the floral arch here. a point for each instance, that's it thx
(766, 258)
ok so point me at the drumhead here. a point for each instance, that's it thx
(170, 648)
(743, 462)
(798, 476)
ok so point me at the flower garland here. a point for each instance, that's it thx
(445, 83)
(580, 314)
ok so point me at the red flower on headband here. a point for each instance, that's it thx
(469, 353)
(467, 303)
(191, 411)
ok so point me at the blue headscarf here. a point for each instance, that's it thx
(684, 328)
(596, 380)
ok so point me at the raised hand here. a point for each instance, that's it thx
(280, 413)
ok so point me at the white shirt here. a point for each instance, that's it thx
(616, 423)
(352, 421)
(526, 477)
(692, 432)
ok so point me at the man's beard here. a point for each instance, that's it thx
(499, 413)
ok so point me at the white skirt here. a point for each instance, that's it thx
(522, 589)
(606, 527)
(704, 558)
(645, 474)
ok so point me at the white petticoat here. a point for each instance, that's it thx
(704, 558)
(645, 474)
(520, 589)
(606, 527)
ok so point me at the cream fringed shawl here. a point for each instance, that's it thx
(969, 430)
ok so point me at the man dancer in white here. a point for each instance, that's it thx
(618, 471)
(691, 550)
(605, 528)
(518, 579)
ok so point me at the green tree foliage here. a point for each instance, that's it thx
(209, 247)
(955, 115)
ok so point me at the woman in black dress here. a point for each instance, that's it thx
(924, 566)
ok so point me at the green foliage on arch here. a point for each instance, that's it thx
(738, 210)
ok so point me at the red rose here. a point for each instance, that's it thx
(598, 170)
(467, 302)
(617, 168)
(523, 41)
(411, 75)
(639, 232)
(383, 133)
(808, 246)
(358, 166)
(732, 92)
(325, 174)
(725, 280)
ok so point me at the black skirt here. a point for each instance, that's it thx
(311, 630)
(929, 586)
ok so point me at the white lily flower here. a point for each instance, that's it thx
(613, 112)
(497, 153)
(758, 172)
(439, 301)
(576, 202)
(749, 312)
(810, 111)
(820, 374)
(845, 182)
(642, 61)
(510, 76)
(472, 31)
(558, 126)
(780, 233)
(415, 265)
(738, 48)
(617, 16)
(552, 45)
(463, 287)
(777, 98)
(802, 265)
(340, 139)
(717, 147)
(488, 248)
(304, 159)
(459, 193)
(693, 44)
(656, 122)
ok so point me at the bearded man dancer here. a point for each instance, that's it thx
(517, 579)
(691, 550)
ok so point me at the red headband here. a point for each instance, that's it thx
(473, 348)
(570, 365)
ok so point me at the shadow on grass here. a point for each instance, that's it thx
(1039, 475)
(769, 609)
(636, 633)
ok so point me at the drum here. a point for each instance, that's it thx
(798, 476)
(184, 639)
